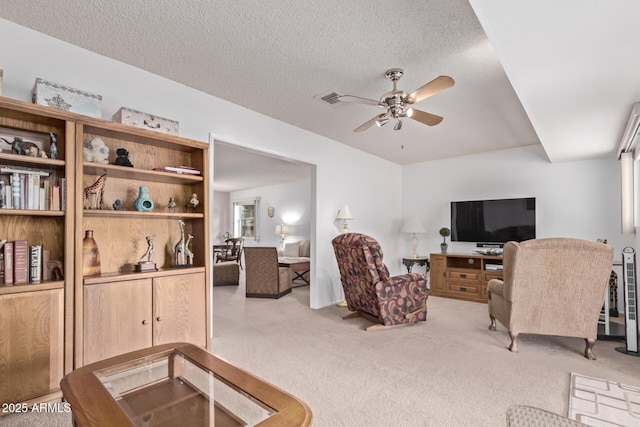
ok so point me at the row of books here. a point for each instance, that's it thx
(22, 263)
(31, 189)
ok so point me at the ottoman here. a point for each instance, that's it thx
(226, 273)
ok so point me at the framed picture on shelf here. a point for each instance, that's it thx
(7, 136)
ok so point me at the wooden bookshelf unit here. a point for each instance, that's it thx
(463, 276)
(66, 320)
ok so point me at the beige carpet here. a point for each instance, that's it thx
(602, 403)
(448, 371)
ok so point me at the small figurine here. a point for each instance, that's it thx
(193, 201)
(179, 258)
(95, 151)
(33, 151)
(96, 190)
(53, 148)
(149, 251)
(187, 252)
(147, 264)
(123, 158)
(19, 146)
(118, 206)
(172, 205)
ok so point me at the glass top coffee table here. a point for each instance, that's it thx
(177, 385)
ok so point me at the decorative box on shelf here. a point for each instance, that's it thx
(66, 98)
(146, 121)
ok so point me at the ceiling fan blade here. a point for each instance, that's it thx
(436, 85)
(359, 100)
(369, 123)
(424, 117)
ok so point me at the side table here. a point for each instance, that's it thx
(410, 262)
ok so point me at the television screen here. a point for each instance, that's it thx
(493, 221)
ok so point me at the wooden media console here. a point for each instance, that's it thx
(463, 276)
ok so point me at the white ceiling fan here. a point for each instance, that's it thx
(397, 103)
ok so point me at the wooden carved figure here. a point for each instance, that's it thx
(97, 191)
(179, 248)
(187, 252)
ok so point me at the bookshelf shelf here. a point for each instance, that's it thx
(136, 214)
(31, 287)
(31, 212)
(31, 162)
(135, 174)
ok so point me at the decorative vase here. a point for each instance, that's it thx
(143, 202)
(90, 255)
(443, 247)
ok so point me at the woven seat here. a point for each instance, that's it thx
(264, 278)
(525, 416)
(226, 274)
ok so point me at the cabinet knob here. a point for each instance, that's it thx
(145, 322)
(159, 319)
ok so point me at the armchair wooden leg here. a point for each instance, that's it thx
(414, 312)
(514, 344)
(492, 326)
(588, 351)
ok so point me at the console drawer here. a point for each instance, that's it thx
(461, 287)
(464, 275)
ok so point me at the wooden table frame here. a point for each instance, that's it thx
(298, 267)
(92, 405)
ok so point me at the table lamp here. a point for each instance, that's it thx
(345, 214)
(413, 226)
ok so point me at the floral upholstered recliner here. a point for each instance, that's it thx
(368, 289)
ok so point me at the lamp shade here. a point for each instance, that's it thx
(344, 213)
(413, 225)
(282, 229)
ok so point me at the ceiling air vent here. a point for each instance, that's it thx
(330, 97)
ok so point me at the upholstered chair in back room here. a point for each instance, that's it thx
(264, 277)
(369, 290)
(553, 286)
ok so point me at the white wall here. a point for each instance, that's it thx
(220, 216)
(343, 175)
(573, 199)
(292, 206)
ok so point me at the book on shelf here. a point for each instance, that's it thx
(20, 261)
(495, 267)
(179, 169)
(2, 242)
(7, 250)
(46, 257)
(28, 189)
(54, 197)
(35, 263)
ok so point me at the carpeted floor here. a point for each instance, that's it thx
(448, 371)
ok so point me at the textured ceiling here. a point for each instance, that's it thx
(560, 74)
(274, 57)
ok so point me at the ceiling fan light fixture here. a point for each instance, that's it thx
(397, 103)
(382, 122)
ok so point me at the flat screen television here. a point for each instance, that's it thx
(493, 221)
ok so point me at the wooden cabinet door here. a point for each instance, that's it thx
(117, 318)
(179, 309)
(438, 267)
(31, 344)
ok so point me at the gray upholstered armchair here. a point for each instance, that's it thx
(370, 291)
(264, 277)
(553, 286)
